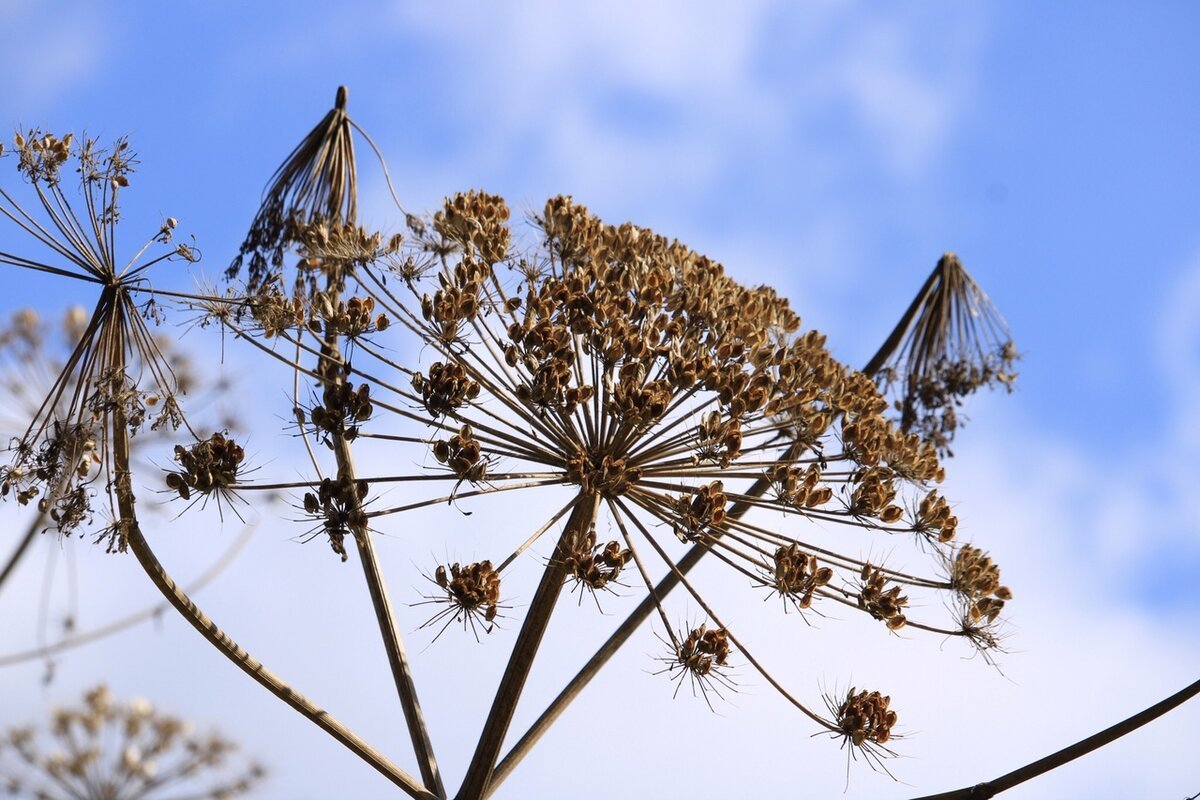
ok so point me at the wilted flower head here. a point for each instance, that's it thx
(120, 751)
(951, 343)
(116, 369)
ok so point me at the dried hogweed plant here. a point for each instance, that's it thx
(631, 378)
(107, 750)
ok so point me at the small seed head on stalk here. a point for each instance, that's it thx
(701, 655)
(471, 595)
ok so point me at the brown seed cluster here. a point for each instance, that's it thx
(42, 155)
(339, 505)
(335, 250)
(798, 575)
(447, 389)
(208, 466)
(477, 222)
(718, 439)
(463, 455)
(880, 601)
(704, 651)
(594, 566)
(798, 486)
(607, 475)
(276, 312)
(976, 578)
(700, 513)
(343, 409)
(350, 318)
(874, 494)
(457, 300)
(472, 594)
(934, 517)
(865, 718)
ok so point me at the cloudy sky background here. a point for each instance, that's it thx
(834, 152)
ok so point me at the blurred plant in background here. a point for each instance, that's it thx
(106, 750)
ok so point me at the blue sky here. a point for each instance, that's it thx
(834, 151)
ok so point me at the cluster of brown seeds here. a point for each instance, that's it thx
(798, 486)
(935, 518)
(605, 475)
(798, 575)
(477, 222)
(208, 466)
(336, 249)
(447, 388)
(874, 494)
(456, 301)
(339, 505)
(976, 578)
(703, 655)
(594, 566)
(42, 155)
(880, 601)
(718, 439)
(351, 318)
(864, 718)
(463, 455)
(343, 409)
(472, 595)
(700, 513)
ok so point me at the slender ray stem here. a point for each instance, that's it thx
(397, 658)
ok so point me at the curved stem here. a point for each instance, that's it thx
(179, 599)
(992, 788)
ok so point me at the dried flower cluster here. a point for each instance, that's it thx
(954, 343)
(628, 374)
(108, 750)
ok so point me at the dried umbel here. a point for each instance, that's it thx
(594, 567)
(338, 506)
(116, 369)
(633, 370)
(701, 656)
(121, 751)
(209, 467)
(471, 595)
(880, 600)
(951, 343)
(864, 721)
(798, 575)
(976, 578)
(316, 185)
